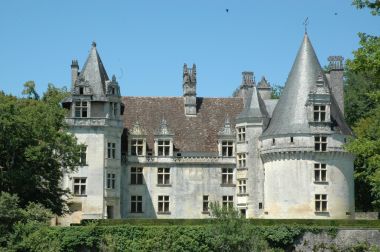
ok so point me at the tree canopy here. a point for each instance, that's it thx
(362, 103)
(35, 148)
(373, 5)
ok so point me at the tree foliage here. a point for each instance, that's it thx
(362, 103)
(374, 5)
(35, 149)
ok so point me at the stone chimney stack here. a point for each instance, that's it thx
(74, 71)
(189, 90)
(335, 77)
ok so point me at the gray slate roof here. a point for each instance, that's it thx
(255, 106)
(94, 72)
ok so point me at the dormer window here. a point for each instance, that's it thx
(227, 148)
(81, 109)
(319, 113)
(113, 90)
(163, 148)
(81, 90)
(113, 109)
(137, 147)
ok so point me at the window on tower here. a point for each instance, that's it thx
(320, 172)
(319, 113)
(81, 109)
(321, 202)
(241, 134)
(320, 143)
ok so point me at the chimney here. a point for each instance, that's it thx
(335, 77)
(74, 71)
(189, 90)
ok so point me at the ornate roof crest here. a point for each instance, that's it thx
(164, 129)
(227, 129)
(137, 130)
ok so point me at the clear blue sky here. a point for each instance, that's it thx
(145, 42)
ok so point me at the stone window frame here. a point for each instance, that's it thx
(135, 144)
(227, 148)
(136, 204)
(320, 172)
(113, 109)
(242, 187)
(81, 109)
(241, 160)
(111, 150)
(111, 180)
(136, 175)
(163, 204)
(320, 143)
(321, 201)
(227, 176)
(83, 155)
(228, 201)
(240, 133)
(319, 113)
(80, 186)
(164, 147)
(205, 204)
(163, 176)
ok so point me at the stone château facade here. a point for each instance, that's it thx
(170, 157)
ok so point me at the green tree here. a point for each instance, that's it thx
(35, 149)
(373, 5)
(30, 90)
(362, 87)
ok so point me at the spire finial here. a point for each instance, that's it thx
(305, 23)
(93, 44)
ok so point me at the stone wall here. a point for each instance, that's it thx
(342, 241)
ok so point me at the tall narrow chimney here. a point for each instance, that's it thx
(335, 77)
(189, 90)
(74, 71)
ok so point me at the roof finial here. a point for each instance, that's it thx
(305, 23)
(93, 44)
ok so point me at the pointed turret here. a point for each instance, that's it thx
(290, 115)
(254, 107)
(94, 73)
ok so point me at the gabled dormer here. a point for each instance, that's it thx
(163, 140)
(226, 139)
(137, 140)
(318, 103)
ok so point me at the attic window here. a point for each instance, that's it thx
(320, 113)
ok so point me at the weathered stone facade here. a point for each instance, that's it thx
(170, 157)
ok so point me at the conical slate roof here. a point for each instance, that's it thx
(93, 71)
(290, 115)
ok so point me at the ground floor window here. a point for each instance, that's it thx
(80, 186)
(110, 212)
(163, 203)
(136, 204)
(205, 203)
(321, 202)
(228, 201)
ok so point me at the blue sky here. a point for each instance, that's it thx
(146, 42)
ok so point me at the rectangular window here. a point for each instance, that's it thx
(82, 155)
(136, 175)
(79, 186)
(163, 176)
(109, 212)
(319, 113)
(321, 202)
(163, 203)
(137, 147)
(228, 201)
(136, 204)
(81, 109)
(111, 150)
(320, 172)
(320, 143)
(242, 186)
(163, 147)
(111, 180)
(227, 176)
(205, 203)
(227, 148)
(241, 160)
(241, 134)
